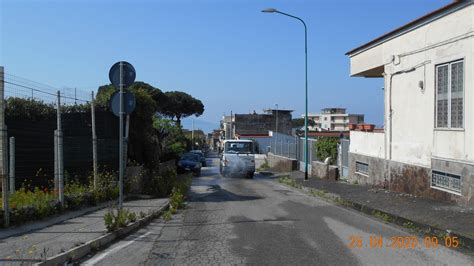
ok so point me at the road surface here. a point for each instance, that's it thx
(241, 221)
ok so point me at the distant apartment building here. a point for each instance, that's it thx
(333, 119)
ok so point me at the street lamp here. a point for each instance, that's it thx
(273, 10)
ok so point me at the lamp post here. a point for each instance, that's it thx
(273, 10)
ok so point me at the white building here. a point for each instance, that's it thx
(334, 119)
(427, 148)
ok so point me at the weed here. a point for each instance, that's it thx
(382, 216)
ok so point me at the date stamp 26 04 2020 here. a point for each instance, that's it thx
(402, 242)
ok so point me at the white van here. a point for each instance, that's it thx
(238, 157)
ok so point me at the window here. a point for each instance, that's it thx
(450, 95)
(445, 181)
(362, 168)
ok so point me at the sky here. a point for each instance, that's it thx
(227, 53)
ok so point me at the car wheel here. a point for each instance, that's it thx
(197, 173)
(250, 175)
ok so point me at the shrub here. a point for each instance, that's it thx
(327, 147)
(119, 218)
(161, 185)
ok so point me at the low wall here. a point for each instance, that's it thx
(324, 171)
(280, 163)
(413, 179)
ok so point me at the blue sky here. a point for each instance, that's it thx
(226, 53)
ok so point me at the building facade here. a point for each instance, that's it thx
(427, 147)
(334, 119)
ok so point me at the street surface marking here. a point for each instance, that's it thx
(115, 249)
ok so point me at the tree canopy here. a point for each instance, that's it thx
(180, 104)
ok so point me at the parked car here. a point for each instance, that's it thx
(190, 162)
(202, 157)
(238, 158)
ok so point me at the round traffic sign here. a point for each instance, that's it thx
(129, 103)
(128, 74)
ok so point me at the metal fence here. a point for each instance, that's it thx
(284, 148)
(51, 135)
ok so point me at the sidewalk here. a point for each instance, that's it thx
(36, 245)
(428, 215)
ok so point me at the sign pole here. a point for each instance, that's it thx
(121, 139)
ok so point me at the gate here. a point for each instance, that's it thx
(344, 158)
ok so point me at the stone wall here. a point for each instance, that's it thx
(324, 171)
(281, 164)
(412, 179)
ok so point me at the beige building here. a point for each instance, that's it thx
(334, 119)
(427, 148)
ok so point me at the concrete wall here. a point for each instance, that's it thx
(375, 176)
(367, 143)
(281, 164)
(324, 171)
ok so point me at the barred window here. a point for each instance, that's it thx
(362, 168)
(450, 95)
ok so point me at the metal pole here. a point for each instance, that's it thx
(60, 166)
(306, 102)
(56, 171)
(306, 89)
(192, 136)
(94, 141)
(3, 151)
(276, 125)
(11, 168)
(125, 152)
(121, 139)
(288, 148)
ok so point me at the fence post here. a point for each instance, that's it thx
(288, 142)
(281, 148)
(3, 150)
(56, 171)
(94, 140)
(60, 152)
(11, 168)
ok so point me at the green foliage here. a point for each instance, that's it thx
(28, 109)
(161, 185)
(327, 147)
(180, 104)
(119, 218)
(299, 122)
(176, 199)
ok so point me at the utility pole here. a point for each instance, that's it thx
(94, 140)
(3, 151)
(60, 166)
(11, 167)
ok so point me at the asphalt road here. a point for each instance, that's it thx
(241, 221)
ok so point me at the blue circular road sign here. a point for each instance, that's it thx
(128, 74)
(129, 103)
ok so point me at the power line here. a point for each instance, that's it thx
(45, 92)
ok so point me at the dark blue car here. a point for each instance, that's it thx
(190, 162)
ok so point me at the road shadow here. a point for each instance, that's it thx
(217, 194)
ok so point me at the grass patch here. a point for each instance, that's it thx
(382, 216)
(289, 181)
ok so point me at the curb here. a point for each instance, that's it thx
(467, 242)
(81, 251)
